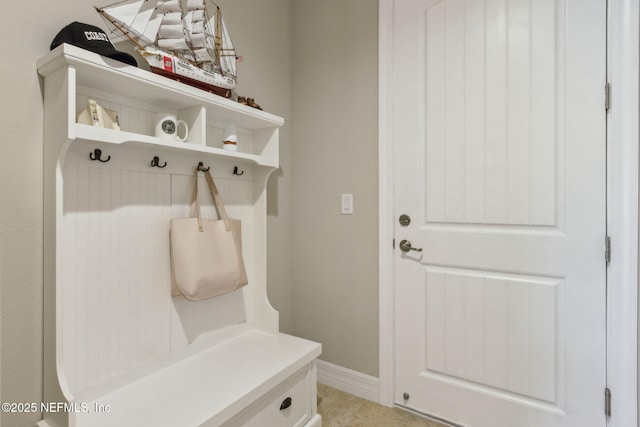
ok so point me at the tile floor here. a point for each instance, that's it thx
(340, 409)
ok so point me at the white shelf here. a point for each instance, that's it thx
(110, 136)
(117, 81)
(109, 75)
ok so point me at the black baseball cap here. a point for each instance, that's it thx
(91, 38)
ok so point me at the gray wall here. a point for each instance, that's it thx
(261, 32)
(21, 203)
(314, 63)
(335, 140)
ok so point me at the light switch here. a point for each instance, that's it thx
(346, 207)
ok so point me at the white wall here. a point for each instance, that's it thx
(335, 142)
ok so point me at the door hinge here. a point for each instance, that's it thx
(607, 96)
(394, 243)
(607, 250)
(607, 402)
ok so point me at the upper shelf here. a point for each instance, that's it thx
(95, 71)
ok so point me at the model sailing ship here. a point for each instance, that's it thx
(184, 40)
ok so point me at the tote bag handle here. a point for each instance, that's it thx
(217, 201)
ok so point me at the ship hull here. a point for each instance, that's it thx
(169, 66)
(192, 82)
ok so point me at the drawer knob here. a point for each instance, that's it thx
(285, 403)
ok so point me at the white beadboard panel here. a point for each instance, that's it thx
(118, 310)
(475, 328)
(518, 112)
(496, 111)
(115, 274)
(435, 320)
(454, 326)
(436, 153)
(494, 330)
(543, 88)
(490, 103)
(474, 118)
(196, 318)
(454, 110)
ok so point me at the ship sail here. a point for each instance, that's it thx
(227, 52)
(191, 30)
(198, 32)
(135, 19)
(209, 37)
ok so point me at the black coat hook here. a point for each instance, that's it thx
(97, 154)
(156, 162)
(235, 171)
(202, 168)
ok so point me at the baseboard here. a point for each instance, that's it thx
(316, 421)
(348, 380)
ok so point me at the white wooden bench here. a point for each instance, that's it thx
(119, 350)
(241, 380)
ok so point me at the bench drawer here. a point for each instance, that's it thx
(290, 404)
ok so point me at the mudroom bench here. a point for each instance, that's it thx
(119, 350)
(249, 378)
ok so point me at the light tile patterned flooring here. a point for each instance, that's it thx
(340, 409)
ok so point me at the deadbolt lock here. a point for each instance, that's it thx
(404, 220)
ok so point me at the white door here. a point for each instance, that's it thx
(499, 145)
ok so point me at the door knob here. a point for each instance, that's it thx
(405, 246)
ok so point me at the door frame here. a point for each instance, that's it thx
(623, 123)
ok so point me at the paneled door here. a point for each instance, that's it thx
(500, 148)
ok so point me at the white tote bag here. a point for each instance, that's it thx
(206, 254)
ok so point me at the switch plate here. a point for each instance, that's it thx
(346, 205)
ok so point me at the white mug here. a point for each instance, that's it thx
(167, 127)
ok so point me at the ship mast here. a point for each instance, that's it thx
(218, 37)
(120, 28)
(224, 51)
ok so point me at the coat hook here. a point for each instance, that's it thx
(202, 168)
(156, 162)
(235, 171)
(97, 154)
